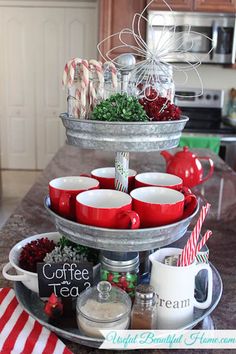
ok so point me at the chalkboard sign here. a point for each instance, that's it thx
(64, 279)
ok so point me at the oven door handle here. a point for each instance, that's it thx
(214, 39)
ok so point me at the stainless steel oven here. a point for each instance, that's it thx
(219, 27)
(205, 118)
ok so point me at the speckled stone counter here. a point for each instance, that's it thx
(30, 218)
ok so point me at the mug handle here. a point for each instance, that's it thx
(210, 173)
(16, 277)
(85, 175)
(128, 220)
(205, 304)
(64, 204)
(190, 202)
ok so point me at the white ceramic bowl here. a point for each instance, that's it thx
(29, 279)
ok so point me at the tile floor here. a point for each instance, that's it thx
(14, 185)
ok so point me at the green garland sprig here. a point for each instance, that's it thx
(92, 255)
(118, 108)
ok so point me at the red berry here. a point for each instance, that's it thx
(159, 108)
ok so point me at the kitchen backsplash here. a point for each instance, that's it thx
(213, 77)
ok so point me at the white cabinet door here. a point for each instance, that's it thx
(61, 34)
(81, 32)
(36, 42)
(50, 100)
(17, 105)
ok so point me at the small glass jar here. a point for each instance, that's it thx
(102, 307)
(121, 270)
(144, 311)
(111, 86)
(157, 82)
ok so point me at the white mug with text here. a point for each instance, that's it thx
(174, 287)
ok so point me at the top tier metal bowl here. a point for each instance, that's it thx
(123, 136)
(117, 239)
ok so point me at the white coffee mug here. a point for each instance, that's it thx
(175, 287)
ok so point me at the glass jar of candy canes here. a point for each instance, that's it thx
(121, 270)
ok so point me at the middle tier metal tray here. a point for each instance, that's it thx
(119, 240)
(123, 136)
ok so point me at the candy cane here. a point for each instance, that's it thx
(204, 239)
(98, 67)
(99, 72)
(68, 81)
(77, 105)
(65, 73)
(84, 87)
(69, 72)
(92, 95)
(189, 252)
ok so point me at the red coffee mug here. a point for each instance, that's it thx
(63, 192)
(106, 177)
(158, 179)
(106, 208)
(157, 206)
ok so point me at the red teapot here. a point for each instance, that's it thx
(187, 166)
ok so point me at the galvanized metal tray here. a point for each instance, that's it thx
(123, 136)
(117, 239)
(67, 327)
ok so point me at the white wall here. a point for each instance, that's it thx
(213, 77)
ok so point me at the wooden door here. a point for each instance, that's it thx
(17, 86)
(215, 5)
(114, 15)
(176, 5)
(62, 35)
(36, 43)
(50, 39)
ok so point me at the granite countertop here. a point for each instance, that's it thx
(31, 218)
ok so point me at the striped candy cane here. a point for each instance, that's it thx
(189, 252)
(65, 73)
(98, 68)
(203, 241)
(93, 92)
(69, 72)
(84, 87)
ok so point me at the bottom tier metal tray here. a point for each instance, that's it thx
(116, 239)
(67, 328)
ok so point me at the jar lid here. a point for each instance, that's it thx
(120, 262)
(103, 303)
(144, 292)
(155, 75)
(163, 69)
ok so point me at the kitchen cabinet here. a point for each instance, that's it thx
(36, 41)
(196, 5)
(176, 5)
(215, 5)
(114, 15)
